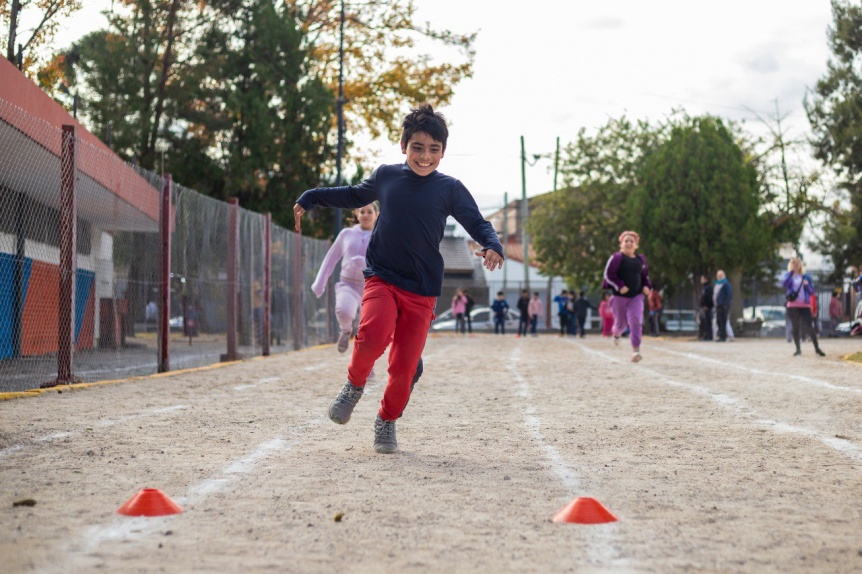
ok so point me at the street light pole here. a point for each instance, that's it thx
(339, 107)
(505, 234)
(524, 239)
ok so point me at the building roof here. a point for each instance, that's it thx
(110, 193)
(457, 258)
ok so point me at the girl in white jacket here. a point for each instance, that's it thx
(349, 248)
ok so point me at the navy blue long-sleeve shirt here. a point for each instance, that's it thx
(404, 249)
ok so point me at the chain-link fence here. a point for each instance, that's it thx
(84, 291)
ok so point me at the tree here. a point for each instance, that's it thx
(835, 113)
(46, 14)
(575, 229)
(698, 206)
(387, 60)
(238, 96)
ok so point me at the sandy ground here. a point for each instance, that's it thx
(731, 457)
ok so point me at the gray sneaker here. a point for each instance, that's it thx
(342, 407)
(343, 341)
(384, 436)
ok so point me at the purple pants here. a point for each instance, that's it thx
(629, 312)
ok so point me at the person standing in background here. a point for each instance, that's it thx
(524, 310)
(459, 307)
(500, 309)
(536, 309)
(581, 306)
(722, 296)
(836, 312)
(798, 291)
(606, 314)
(815, 314)
(705, 327)
(562, 301)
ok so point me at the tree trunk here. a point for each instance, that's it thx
(163, 81)
(13, 30)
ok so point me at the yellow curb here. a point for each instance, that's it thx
(76, 386)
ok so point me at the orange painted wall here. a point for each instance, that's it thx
(41, 321)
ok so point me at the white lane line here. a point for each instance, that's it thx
(533, 422)
(755, 371)
(739, 406)
(315, 367)
(603, 543)
(102, 423)
(265, 381)
(842, 445)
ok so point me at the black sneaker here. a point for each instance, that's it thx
(384, 436)
(342, 407)
(820, 353)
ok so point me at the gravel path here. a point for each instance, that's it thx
(714, 457)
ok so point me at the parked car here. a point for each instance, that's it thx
(481, 319)
(844, 329)
(773, 319)
(677, 320)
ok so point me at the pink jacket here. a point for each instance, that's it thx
(605, 310)
(535, 308)
(349, 247)
(459, 304)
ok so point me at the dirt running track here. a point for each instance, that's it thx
(715, 457)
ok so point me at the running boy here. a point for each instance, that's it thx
(404, 272)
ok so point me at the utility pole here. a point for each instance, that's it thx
(339, 106)
(505, 233)
(524, 239)
(556, 163)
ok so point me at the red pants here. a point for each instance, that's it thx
(390, 314)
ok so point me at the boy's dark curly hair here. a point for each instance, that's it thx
(423, 118)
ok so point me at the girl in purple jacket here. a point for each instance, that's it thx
(799, 290)
(627, 277)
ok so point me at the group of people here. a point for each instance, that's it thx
(714, 313)
(800, 303)
(572, 312)
(462, 308)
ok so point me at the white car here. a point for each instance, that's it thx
(481, 319)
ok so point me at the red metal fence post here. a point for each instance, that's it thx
(165, 280)
(232, 273)
(68, 257)
(298, 283)
(267, 285)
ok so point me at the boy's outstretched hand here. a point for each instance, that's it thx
(493, 260)
(298, 212)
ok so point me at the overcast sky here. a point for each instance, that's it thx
(546, 68)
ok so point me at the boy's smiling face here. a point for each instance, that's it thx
(423, 153)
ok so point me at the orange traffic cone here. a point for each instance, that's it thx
(149, 502)
(585, 511)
